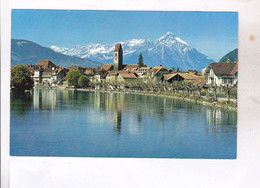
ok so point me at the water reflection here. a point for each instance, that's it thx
(20, 104)
(44, 99)
(117, 121)
(103, 124)
(217, 119)
(119, 106)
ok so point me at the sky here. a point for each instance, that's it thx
(211, 33)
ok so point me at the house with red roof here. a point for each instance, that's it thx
(127, 77)
(112, 76)
(170, 78)
(222, 74)
(106, 67)
(46, 72)
(156, 74)
(189, 77)
(90, 74)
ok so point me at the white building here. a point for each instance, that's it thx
(46, 72)
(222, 74)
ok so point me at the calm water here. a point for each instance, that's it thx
(95, 124)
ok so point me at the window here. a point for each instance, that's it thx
(227, 81)
(212, 80)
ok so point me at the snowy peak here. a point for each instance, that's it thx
(58, 49)
(168, 35)
(136, 42)
(168, 50)
(169, 39)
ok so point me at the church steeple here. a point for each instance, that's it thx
(118, 57)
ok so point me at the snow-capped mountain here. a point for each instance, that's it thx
(169, 51)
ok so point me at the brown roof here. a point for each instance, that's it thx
(106, 67)
(168, 76)
(38, 68)
(61, 69)
(112, 73)
(158, 69)
(199, 81)
(189, 76)
(118, 47)
(128, 75)
(45, 64)
(134, 66)
(89, 72)
(145, 68)
(224, 68)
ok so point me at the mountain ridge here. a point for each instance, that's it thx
(28, 52)
(168, 50)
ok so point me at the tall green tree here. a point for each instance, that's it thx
(83, 81)
(21, 78)
(173, 68)
(73, 76)
(140, 60)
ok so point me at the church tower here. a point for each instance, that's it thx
(118, 57)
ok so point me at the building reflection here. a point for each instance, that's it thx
(139, 116)
(44, 99)
(136, 108)
(111, 103)
(217, 118)
(117, 121)
(97, 100)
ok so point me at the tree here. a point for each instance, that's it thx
(178, 70)
(173, 68)
(83, 81)
(214, 88)
(72, 77)
(228, 90)
(140, 60)
(21, 78)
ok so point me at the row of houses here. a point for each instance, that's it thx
(219, 74)
(47, 73)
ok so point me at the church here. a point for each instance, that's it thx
(118, 61)
(118, 57)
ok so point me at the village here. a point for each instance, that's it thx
(217, 80)
(122, 84)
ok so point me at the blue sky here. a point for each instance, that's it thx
(212, 33)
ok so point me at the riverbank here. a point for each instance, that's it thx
(203, 101)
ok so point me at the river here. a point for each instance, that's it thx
(65, 123)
